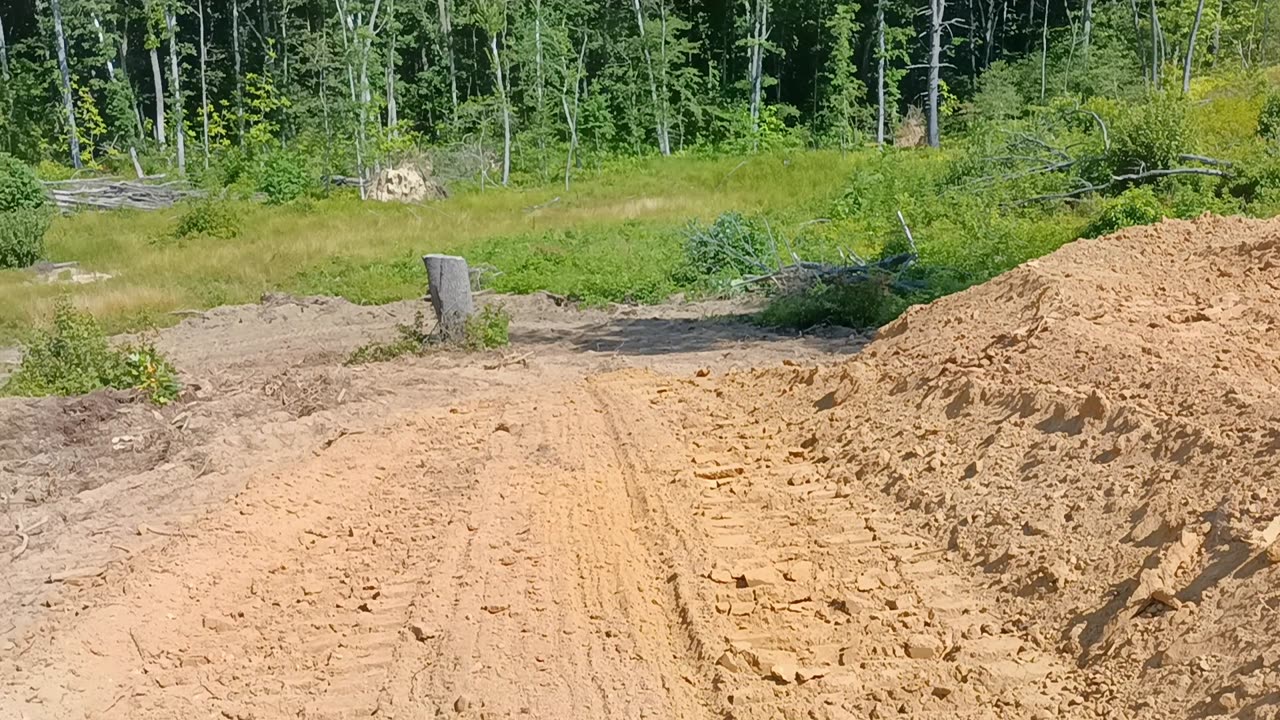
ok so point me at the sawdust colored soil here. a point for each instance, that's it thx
(1052, 496)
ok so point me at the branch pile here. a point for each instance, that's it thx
(116, 193)
(789, 273)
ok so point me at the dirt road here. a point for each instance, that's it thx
(1053, 496)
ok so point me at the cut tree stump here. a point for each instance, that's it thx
(449, 284)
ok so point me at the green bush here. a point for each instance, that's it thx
(207, 218)
(1138, 206)
(856, 305)
(731, 246)
(1150, 135)
(283, 177)
(19, 187)
(488, 328)
(1269, 119)
(22, 237)
(72, 357)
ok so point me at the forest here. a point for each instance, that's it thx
(532, 87)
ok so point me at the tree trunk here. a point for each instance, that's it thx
(506, 110)
(1155, 47)
(179, 131)
(1217, 35)
(572, 117)
(1137, 35)
(204, 88)
(1191, 49)
(446, 34)
(449, 287)
(936, 10)
(880, 95)
(761, 25)
(664, 140)
(1088, 28)
(235, 47)
(4, 53)
(1044, 51)
(67, 100)
(161, 135)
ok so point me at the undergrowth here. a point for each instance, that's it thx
(485, 330)
(72, 357)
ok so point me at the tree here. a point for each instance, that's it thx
(67, 101)
(179, 130)
(845, 112)
(491, 16)
(937, 8)
(1191, 48)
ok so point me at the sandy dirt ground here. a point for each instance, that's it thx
(1052, 496)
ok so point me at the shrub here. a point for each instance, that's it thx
(1138, 206)
(283, 177)
(23, 217)
(856, 305)
(488, 328)
(19, 187)
(207, 218)
(72, 357)
(1269, 119)
(1150, 135)
(22, 237)
(732, 245)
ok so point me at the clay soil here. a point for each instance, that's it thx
(1052, 496)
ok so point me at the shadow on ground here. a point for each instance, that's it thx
(659, 336)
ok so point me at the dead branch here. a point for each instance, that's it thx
(1144, 175)
(116, 193)
(1215, 162)
(518, 360)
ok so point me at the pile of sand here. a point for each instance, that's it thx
(1096, 435)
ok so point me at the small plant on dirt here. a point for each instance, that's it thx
(488, 329)
(411, 338)
(1137, 206)
(207, 217)
(23, 214)
(147, 371)
(72, 357)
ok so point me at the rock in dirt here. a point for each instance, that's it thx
(757, 577)
(923, 647)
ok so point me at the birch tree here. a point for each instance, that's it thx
(937, 8)
(155, 20)
(68, 102)
(1191, 48)
(881, 58)
(179, 131)
(491, 16)
(661, 125)
(571, 115)
(204, 87)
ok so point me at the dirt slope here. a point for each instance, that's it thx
(1052, 496)
(1095, 436)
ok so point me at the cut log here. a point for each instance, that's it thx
(449, 284)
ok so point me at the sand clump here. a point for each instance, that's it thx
(1095, 436)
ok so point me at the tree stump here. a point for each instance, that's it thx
(449, 284)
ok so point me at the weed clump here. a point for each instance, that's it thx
(486, 330)
(72, 357)
(23, 214)
(207, 217)
(857, 305)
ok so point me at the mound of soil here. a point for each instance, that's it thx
(1096, 437)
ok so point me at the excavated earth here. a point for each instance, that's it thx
(1051, 496)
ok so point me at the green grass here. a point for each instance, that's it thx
(614, 236)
